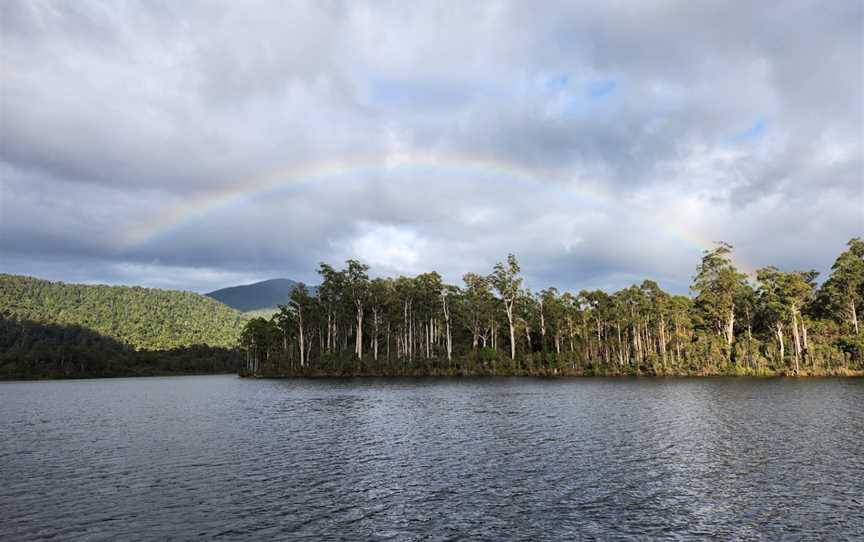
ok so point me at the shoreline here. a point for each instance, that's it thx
(322, 376)
(843, 373)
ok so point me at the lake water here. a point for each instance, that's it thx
(432, 459)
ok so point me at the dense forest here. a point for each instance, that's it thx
(57, 330)
(37, 350)
(143, 318)
(778, 322)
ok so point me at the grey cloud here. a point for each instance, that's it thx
(113, 115)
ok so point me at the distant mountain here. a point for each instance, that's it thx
(260, 295)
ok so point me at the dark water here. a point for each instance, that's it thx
(506, 459)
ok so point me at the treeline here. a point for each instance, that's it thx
(37, 350)
(143, 318)
(778, 322)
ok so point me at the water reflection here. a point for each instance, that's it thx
(408, 459)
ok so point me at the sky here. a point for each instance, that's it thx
(198, 145)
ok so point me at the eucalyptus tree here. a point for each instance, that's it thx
(594, 307)
(659, 303)
(427, 299)
(405, 292)
(357, 282)
(802, 289)
(303, 305)
(256, 339)
(680, 308)
(286, 321)
(477, 303)
(527, 317)
(844, 289)
(507, 282)
(448, 293)
(571, 314)
(552, 318)
(716, 285)
(634, 329)
(379, 297)
(781, 297)
(331, 293)
(628, 306)
(747, 303)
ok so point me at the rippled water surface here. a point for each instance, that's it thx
(493, 459)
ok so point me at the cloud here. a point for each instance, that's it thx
(603, 144)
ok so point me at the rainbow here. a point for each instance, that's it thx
(238, 191)
(235, 192)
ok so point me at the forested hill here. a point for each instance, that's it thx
(144, 318)
(266, 294)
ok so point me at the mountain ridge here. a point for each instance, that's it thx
(265, 294)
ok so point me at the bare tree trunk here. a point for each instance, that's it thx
(300, 329)
(663, 342)
(448, 338)
(749, 343)
(542, 333)
(806, 345)
(797, 339)
(779, 331)
(509, 309)
(599, 340)
(375, 339)
(730, 326)
(359, 335)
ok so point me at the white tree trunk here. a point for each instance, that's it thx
(359, 342)
(302, 349)
(512, 334)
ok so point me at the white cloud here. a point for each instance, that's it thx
(603, 137)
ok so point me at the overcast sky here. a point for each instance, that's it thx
(198, 145)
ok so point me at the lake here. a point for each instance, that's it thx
(432, 459)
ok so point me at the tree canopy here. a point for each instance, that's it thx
(144, 318)
(775, 322)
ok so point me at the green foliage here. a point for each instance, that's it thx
(144, 318)
(403, 325)
(842, 296)
(717, 284)
(351, 325)
(36, 350)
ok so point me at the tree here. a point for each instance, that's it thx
(331, 293)
(358, 286)
(379, 296)
(659, 303)
(551, 319)
(448, 292)
(302, 304)
(507, 282)
(716, 284)
(477, 306)
(843, 292)
(286, 321)
(781, 298)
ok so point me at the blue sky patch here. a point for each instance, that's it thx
(603, 87)
(756, 131)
